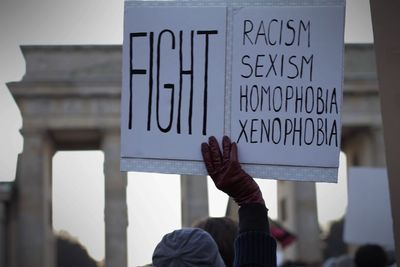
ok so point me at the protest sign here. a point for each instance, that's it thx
(270, 77)
(285, 96)
(368, 217)
(174, 76)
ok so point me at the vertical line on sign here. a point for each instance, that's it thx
(205, 90)
(191, 83)
(150, 82)
(130, 82)
(178, 126)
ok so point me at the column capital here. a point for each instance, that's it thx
(111, 132)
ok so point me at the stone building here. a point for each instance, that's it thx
(69, 99)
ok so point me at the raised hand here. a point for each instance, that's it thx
(226, 172)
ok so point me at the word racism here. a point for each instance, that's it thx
(289, 114)
(168, 41)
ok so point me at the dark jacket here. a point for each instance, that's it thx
(254, 246)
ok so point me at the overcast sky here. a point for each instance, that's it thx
(100, 22)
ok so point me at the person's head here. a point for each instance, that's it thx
(188, 247)
(370, 256)
(224, 231)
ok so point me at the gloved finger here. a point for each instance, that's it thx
(215, 152)
(205, 151)
(226, 149)
(234, 153)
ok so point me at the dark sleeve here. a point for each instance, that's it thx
(254, 246)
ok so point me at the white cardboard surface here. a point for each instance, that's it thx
(286, 85)
(170, 123)
(173, 152)
(368, 217)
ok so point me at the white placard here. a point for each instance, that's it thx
(286, 85)
(173, 97)
(256, 74)
(368, 217)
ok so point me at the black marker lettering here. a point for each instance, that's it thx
(257, 98)
(334, 134)
(309, 62)
(269, 31)
(149, 109)
(289, 95)
(206, 33)
(272, 66)
(253, 130)
(242, 131)
(312, 131)
(290, 27)
(246, 31)
(288, 130)
(279, 127)
(297, 130)
(309, 99)
(133, 72)
(306, 28)
(247, 64)
(295, 66)
(166, 86)
(261, 32)
(243, 96)
(333, 102)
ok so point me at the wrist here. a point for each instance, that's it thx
(255, 197)
(253, 217)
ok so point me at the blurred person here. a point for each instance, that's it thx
(188, 247)
(281, 234)
(293, 264)
(71, 253)
(370, 256)
(224, 231)
(366, 256)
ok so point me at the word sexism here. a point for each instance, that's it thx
(169, 41)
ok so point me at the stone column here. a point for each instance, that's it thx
(377, 147)
(35, 240)
(297, 210)
(232, 210)
(366, 148)
(12, 234)
(115, 208)
(194, 198)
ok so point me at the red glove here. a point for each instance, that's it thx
(227, 174)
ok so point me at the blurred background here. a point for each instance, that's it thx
(64, 198)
